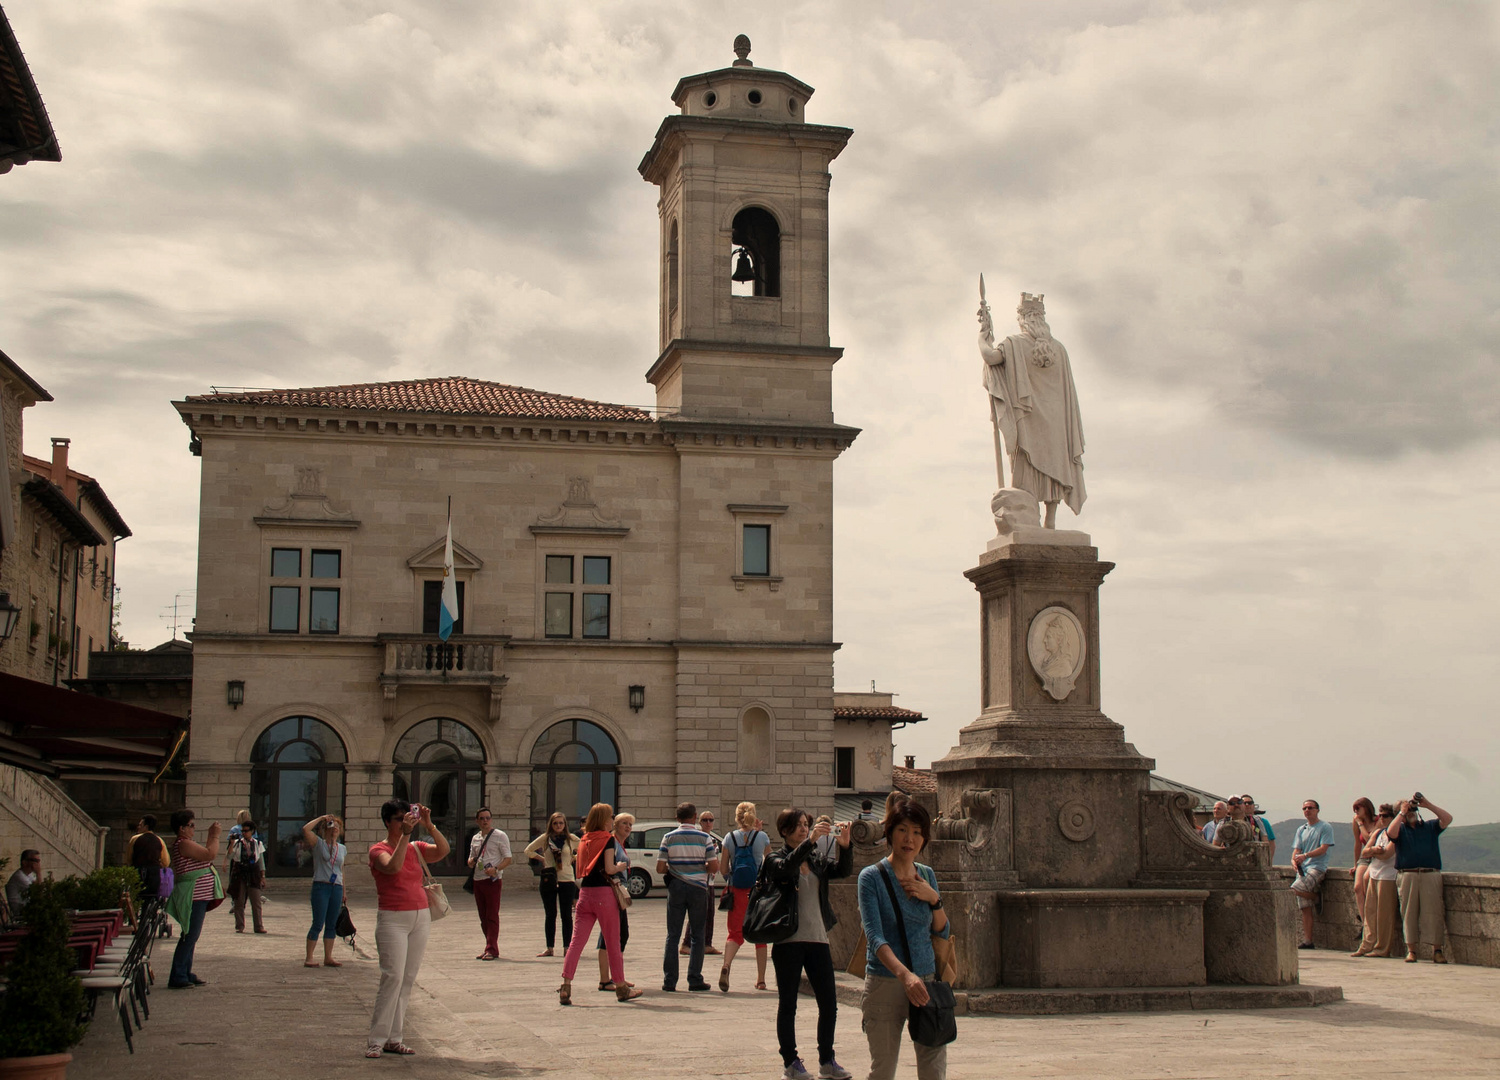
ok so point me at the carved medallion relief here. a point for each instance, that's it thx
(1056, 646)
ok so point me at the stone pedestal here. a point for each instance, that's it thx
(1061, 867)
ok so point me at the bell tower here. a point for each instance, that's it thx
(744, 248)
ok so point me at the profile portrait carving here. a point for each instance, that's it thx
(1056, 647)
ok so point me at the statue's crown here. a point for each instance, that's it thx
(1030, 304)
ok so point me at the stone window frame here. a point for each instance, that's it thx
(853, 769)
(741, 757)
(578, 544)
(770, 515)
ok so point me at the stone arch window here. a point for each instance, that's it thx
(756, 251)
(672, 255)
(296, 774)
(440, 764)
(574, 765)
(755, 739)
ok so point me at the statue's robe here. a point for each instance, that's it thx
(1037, 411)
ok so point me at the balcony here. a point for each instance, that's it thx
(464, 660)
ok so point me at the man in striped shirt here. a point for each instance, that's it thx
(685, 858)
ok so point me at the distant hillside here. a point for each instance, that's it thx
(1467, 849)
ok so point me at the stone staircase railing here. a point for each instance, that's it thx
(36, 812)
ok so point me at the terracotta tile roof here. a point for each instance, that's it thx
(914, 781)
(456, 395)
(877, 712)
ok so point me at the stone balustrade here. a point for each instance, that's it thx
(1473, 916)
(426, 660)
(38, 813)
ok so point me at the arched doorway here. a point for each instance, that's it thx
(296, 774)
(574, 765)
(440, 763)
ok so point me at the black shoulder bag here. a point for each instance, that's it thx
(932, 1024)
(771, 911)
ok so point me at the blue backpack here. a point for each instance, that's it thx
(743, 871)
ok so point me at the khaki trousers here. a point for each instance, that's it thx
(1380, 918)
(884, 1011)
(1421, 908)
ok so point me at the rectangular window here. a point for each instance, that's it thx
(432, 599)
(286, 562)
(595, 612)
(596, 569)
(326, 564)
(757, 550)
(843, 766)
(559, 569)
(558, 613)
(286, 604)
(323, 611)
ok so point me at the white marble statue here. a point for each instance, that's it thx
(1034, 406)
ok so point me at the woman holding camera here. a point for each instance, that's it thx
(891, 986)
(322, 835)
(402, 922)
(553, 855)
(805, 867)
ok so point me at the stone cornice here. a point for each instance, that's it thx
(677, 346)
(212, 418)
(677, 129)
(709, 434)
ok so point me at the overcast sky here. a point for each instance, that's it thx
(1267, 233)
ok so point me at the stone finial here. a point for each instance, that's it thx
(742, 52)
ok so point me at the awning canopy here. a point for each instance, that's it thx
(74, 736)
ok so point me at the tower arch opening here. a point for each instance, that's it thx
(755, 253)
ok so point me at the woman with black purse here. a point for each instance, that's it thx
(901, 909)
(552, 856)
(801, 873)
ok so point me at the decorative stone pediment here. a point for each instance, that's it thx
(579, 513)
(308, 504)
(431, 557)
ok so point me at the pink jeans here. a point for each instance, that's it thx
(596, 903)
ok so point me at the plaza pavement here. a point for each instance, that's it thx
(266, 1016)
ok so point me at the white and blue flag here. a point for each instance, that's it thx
(448, 609)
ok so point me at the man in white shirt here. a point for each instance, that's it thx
(489, 855)
(1211, 826)
(23, 879)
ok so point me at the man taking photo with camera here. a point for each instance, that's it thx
(1419, 875)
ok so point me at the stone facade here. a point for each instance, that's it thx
(658, 584)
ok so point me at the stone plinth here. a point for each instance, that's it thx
(1102, 937)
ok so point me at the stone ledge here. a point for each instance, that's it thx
(1021, 1002)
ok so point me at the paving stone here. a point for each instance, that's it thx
(264, 1014)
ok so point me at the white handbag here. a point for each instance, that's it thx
(437, 900)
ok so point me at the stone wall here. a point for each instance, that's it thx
(1473, 915)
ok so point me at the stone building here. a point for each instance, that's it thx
(646, 596)
(864, 766)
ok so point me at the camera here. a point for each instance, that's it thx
(1417, 799)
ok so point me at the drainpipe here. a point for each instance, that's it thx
(62, 565)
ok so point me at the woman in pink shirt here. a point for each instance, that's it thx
(401, 921)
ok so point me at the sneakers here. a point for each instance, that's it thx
(796, 1071)
(832, 1070)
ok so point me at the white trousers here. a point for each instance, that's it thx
(401, 941)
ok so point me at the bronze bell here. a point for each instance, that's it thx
(743, 270)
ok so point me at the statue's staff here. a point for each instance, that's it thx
(988, 324)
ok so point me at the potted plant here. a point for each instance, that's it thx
(39, 1016)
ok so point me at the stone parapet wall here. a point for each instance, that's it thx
(37, 813)
(1472, 902)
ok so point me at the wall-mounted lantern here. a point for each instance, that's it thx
(236, 693)
(637, 698)
(10, 614)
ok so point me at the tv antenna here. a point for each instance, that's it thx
(178, 613)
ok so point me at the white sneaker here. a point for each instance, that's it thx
(832, 1070)
(796, 1071)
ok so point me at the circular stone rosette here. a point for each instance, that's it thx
(1076, 820)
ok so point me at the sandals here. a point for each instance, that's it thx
(374, 1052)
(760, 985)
(724, 980)
(333, 963)
(565, 993)
(397, 1048)
(607, 984)
(627, 993)
(545, 952)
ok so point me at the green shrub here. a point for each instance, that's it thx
(39, 1014)
(101, 889)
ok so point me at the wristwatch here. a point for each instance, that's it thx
(937, 906)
